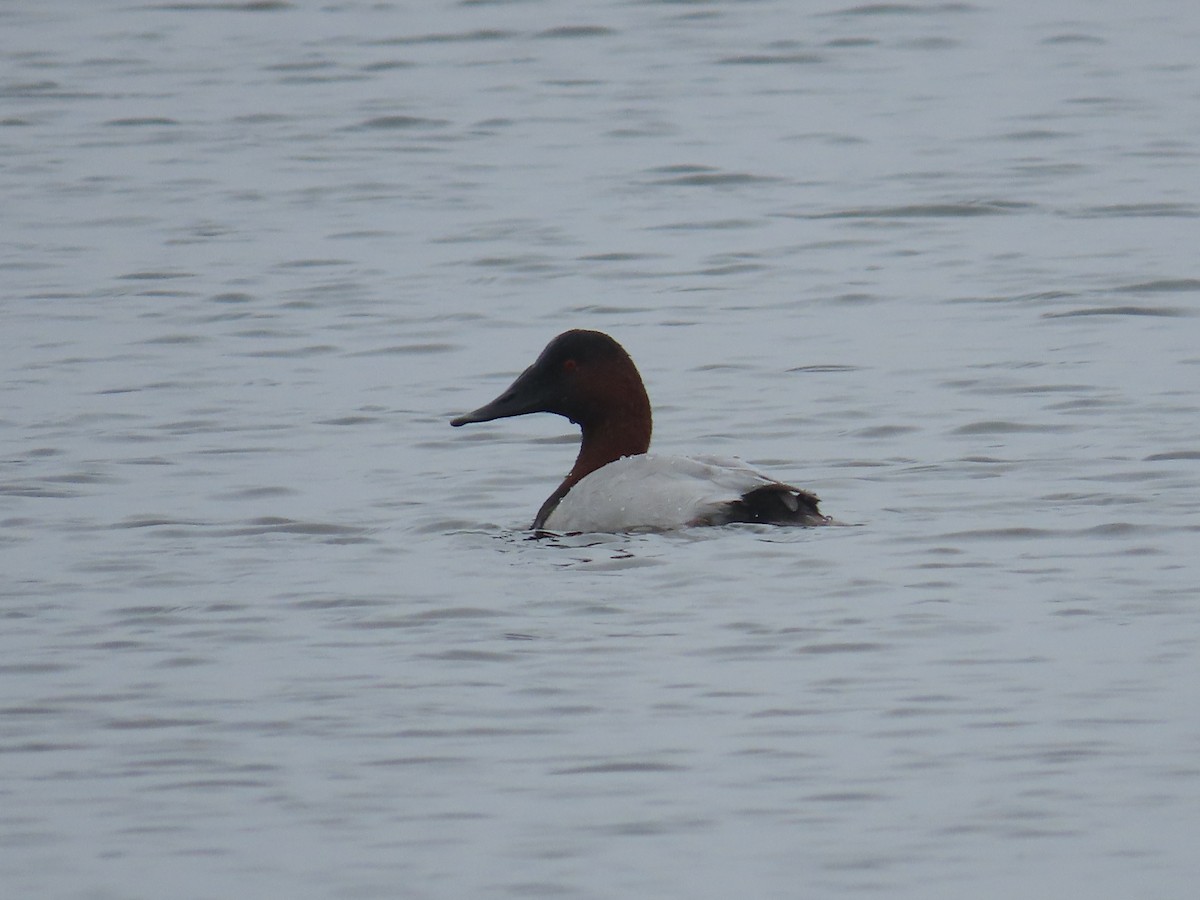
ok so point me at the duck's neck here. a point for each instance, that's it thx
(605, 442)
(620, 432)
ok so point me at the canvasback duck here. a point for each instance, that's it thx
(615, 485)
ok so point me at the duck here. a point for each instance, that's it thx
(616, 484)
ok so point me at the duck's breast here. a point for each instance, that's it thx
(655, 492)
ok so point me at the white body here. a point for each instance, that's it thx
(654, 492)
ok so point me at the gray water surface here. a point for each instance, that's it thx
(272, 628)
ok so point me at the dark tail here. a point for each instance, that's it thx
(775, 504)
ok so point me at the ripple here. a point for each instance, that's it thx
(902, 9)
(451, 37)
(401, 122)
(997, 426)
(772, 59)
(226, 6)
(277, 525)
(1161, 285)
(1160, 311)
(1073, 38)
(155, 722)
(840, 647)
(137, 122)
(153, 275)
(613, 768)
(576, 31)
(961, 209)
(33, 489)
(991, 534)
(829, 368)
(701, 176)
(1138, 210)
(42, 747)
(154, 522)
(408, 349)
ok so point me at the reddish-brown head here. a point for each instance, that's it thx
(587, 377)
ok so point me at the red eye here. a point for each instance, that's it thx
(570, 365)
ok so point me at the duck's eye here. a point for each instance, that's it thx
(570, 365)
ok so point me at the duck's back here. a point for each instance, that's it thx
(663, 492)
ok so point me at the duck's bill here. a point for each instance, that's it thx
(484, 414)
(525, 395)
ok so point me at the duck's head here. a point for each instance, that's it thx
(583, 375)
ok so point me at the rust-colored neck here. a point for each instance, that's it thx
(616, 423)
(608, 441)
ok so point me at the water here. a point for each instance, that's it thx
(272, 628)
